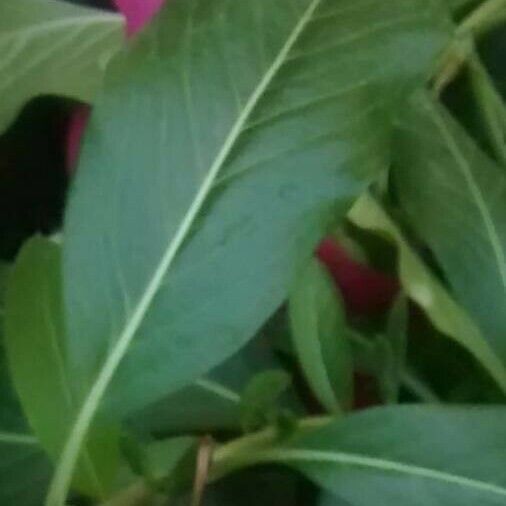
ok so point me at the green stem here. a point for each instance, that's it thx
(486, 16)
(245, 451)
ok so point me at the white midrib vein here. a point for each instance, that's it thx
(17, 439)
(63, 474)
(477, 195)
(319, 456)
(218, 390)
(63, 23)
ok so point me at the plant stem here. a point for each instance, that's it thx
(486, 16)
(243, 452)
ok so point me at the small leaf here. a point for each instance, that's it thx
(161, 463)
(393, 345)
(34, 346)
(259, 401)
(169, 459)
(319, 334)
(52, 47)
(454, 197)
(406, 455)
(427, 291)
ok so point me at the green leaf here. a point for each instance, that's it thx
(22, 460)
(52, 47)
(427, 291)
(319, 334)
(393, 345)
(457, 5)
(34, 347)
(161, 465)
(211, 403)
(453, 196)
(297, 125)
(491, 107)
(259, 401)
(25, 470)
(4, 274)
(163, 457)
(204, 406)
(407, 455)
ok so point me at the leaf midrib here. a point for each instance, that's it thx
(219, 390)
(65, 466)
(17, 438)
(359, 460)
(476, 194)
(36, 29)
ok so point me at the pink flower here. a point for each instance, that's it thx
(365, 291)
(75, 131)
(138, 13)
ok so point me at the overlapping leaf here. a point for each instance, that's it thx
(423, 287)
(416, 455)
(281, 126)
(454, 198)
(320, 339)
(51, 47)
(22, 460)
(35, 350)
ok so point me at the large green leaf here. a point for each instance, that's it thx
(411, 455)
(453, 196)
(34, 347)
(320, 337)
(423, 287)
(52, 47)
(283, 124)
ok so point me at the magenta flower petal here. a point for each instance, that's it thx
(75, 130)
(138, 12)
(365, 291)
